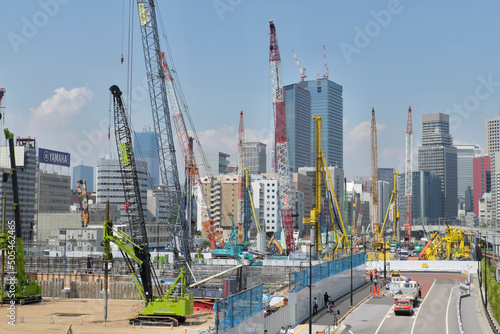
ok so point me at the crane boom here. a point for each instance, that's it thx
(326, 66)
(375, 216)
(214, 237)
(281, 148)
(408, 179)
(173, 210)
(242, 217)
(302, 70)
(131, 191)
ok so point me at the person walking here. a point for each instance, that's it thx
(325, 297)
(371, 276)
(282, 330)
(331, 306)
(315, 306)
(290, 330)
(419, 290)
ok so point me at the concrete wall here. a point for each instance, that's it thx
(451, 266)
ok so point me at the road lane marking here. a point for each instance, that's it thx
(448, 307)
(420, 307)
(384, 319)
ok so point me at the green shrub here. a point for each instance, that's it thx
(493, 290)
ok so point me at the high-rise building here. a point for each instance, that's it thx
(327, 101)
(221, 193)
(481, 179)
(492, 149)
(439, 156)
(86, 173)
(53, 192)
(110, 185)
(217, 163)
(298, 125)
(254, 157)
(426, 195)
(146, 149)
(465, 156)
(26, 161)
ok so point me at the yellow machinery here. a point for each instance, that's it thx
(323, 173)
(393, 201)
(450, 247)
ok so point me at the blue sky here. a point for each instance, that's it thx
(59, 58)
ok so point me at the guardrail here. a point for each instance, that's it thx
(465, 286)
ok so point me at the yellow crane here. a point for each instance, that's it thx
(323, 173)
(392, 201)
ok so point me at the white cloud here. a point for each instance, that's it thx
(60, 108)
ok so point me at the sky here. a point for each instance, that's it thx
(59, 58)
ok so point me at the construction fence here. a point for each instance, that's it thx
(327, 269)
(237, 308)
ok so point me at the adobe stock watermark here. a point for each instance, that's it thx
(221, 7)
(471, 103)
(364, 36)
(31, 26)
(11, 274)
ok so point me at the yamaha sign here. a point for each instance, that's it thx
(53, 157)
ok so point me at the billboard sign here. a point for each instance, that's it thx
(53, 157)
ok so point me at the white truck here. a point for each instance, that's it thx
(403, 288)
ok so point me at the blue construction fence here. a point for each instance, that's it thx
(327, 269)
(237, 308)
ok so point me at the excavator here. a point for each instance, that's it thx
(176, 303)
(18, 287)
(230, 249)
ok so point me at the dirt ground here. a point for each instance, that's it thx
(87, 315)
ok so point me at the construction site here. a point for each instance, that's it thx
(216, 271)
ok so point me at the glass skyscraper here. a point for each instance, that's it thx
(438, 155)
(327, 101)
(146, 149)
(298, 125)
(86, 173)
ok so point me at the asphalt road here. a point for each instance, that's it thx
(435, 313)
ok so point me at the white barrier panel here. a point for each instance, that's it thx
(336, 286)
(252, 325)
(442, 266)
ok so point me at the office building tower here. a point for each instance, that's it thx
(218, 163)
(221, 193)
(327, 102)
(254, 157)
(53, 192)
(465, 157)
(439, 156)
(481, 179)
(427, 196)
(298, 125)
(492, 149)
(86, 173)
(110, 185)
(146, 149)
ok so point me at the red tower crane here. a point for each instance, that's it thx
(408, 179)
(302, 70)
(280, 139)
(214, 237)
